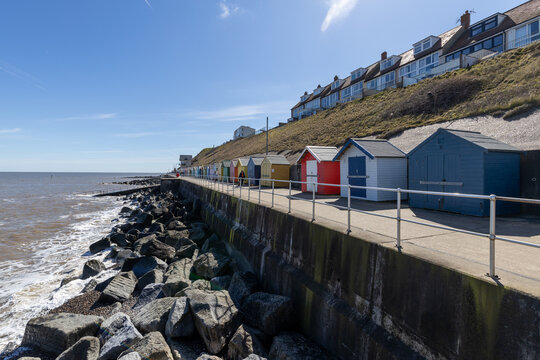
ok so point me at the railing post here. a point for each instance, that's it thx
(290, 186)
(313, 201)
(492, 217)
(249, 187)
(348, 208)
(259, 190)
(272, 192)
(232, 186)
(240, 188)
(398, 220)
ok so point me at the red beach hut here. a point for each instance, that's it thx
(317, 165)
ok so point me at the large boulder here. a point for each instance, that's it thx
(150, 293)
(148, 263)
(144, 239)
(100, 245)
(177, 276)
(294, 346)
(117, 333)
(152, 346)
(119, 239)
(87, 348)
(91, 285)
(176, 224)
(268, 312)
(176, 238)
(180, 321)
(254, 357)
(144, 220)
(186, 251)
(186, 348)
(156, 228)
(54, 333)
(158, 249)
(215, 317)
(120, 288)
(131, 356)
(243, 343)
(154, 315)
(152, 277)
(213, 242)
(208, 357)
(220, 282)
(92, 268)
(211, 264)
(242, 285)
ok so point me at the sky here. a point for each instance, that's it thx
(128, 85)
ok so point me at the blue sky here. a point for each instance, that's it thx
(128, 85)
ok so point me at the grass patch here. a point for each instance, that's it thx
(506, 85)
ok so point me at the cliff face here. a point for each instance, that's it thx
(505, 87)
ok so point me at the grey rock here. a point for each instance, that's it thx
(154, 315)
(131, 356)
(54, 333)
(91, 285)
(186, 251)
(92, 268)
(176, 239)
(254, 357)
(213, 242)
(268, 312)
(293, 346)
(243, 343)
(123, 255)
(68, 279)
(137, 245)
(152, 346)
(145, 220)
(150, 293)
(209, 357)
(120, 288)
(148, 263)
(197, 234)
(29, 358)
(177, 276)
(186, 348)
(156, 228)
(116, 334)
(211, 264)
(220, 282)
(114, 308)
(242, 285)
(152, 277)
(87, 348)
(176, 225)
(215, 317)
(158, 249)
(126, 210)
(180, 321)
(100, 245)
(119, 239)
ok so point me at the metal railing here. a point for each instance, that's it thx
(225, 183)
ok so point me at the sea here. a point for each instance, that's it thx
(47, 222)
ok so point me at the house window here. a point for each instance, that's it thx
(336, 84)
(484, 26)
(385, 64)
(357, 88)
(357, 74)
(372, 84)
(388, 80)
(317, 91)
(494, 44)
(313, 104)
(428, 62)
(345, 93)
(408, 70)
(527, 34)
(422, 46)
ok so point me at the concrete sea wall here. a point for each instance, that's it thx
(361, 300)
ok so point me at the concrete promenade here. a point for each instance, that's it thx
(517, 266)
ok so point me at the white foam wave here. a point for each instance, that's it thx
(31, 287)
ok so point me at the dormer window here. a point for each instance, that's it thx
(304, 97)
(317, 91)
(484, 26)
(421, 46)
(336, 84)
(357, 74)
(386, 63)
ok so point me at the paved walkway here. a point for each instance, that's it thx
(517, 266)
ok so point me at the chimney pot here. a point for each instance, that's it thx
(466, 19)
(384, 55)
(336, 78)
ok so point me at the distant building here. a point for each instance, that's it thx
(185, 160)
(460, 47)
(243, 131)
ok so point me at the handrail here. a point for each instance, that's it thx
(216, 179)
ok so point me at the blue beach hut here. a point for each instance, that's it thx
(464, 162)
(254, 169)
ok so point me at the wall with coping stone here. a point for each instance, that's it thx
(363, 301)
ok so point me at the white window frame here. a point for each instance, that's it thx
(356, 89)
(346, 92)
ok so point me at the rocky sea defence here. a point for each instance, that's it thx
(176, 294)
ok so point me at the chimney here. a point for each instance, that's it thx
(319, 86)
(336, 78)
(466, 19)
(305, 93)
(384, 55)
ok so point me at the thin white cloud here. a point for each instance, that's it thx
(138, 134)
(339, 9)
(227, 9)
(101, 116)
(20, 74)
(10, 131)
(148, 3)
(241, 112)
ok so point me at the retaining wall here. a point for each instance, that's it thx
(361, 300)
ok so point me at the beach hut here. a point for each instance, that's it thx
(318, 166)
(464, 162)
(242, 165)
(225, 168)
(275, 167)
(217, 167)
(234, 170)
(254, 168)
(375, 163)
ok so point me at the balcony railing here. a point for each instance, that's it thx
(523, 41)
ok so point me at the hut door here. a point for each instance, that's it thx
(434, 180)
(311, 174)
(357, 175)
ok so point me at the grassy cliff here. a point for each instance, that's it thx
(505, 85)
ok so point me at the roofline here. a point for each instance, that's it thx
(346, 146)
(308, 148)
